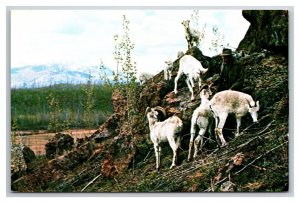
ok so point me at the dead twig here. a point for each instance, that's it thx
(91, 182)
(117, 183)
(259, 168)
(145, 159)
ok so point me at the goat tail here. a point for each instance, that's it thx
(203, 70)
(178, 122)
(200, 68)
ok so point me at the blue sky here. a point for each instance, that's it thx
(84, 37)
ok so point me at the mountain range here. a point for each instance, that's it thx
(33, 76)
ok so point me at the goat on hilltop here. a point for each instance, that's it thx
(191, 35)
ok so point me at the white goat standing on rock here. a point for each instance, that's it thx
(203, 117)
(191, 35)
(168, 70)
(193, 69)
(235, 102)
(165, 131)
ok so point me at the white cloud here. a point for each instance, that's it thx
(83, 37)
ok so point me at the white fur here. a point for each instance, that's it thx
(180, 54)
(235, 102)
(202, 117)
(165, 131)
(143, 77)
(168, 70)
(191, 35)
(193, 69)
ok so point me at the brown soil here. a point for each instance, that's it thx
(37, 140)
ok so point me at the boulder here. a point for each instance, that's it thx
(58, 145)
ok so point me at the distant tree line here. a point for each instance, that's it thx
(60, 107)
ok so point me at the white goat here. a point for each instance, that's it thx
(191, 35)
(202, 116)
(180, 54)
(143, 77)
(168, 70)
(235, 102)
(193, 69)
(164, 131)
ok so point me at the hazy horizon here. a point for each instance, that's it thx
(84, 37)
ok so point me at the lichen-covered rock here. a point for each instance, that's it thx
(58, 145)
(21, 157)
(268, 30)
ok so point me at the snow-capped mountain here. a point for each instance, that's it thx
(45, 75)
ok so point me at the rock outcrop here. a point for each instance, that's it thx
(21, 157)
(268, 30)
(58, 145)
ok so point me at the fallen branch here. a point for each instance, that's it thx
(145, 159)
(91, 182)
(266, 127)
(117, 183)
(259, 168)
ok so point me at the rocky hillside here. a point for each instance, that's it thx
(119, 157)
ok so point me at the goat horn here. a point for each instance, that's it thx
(204, 87)
(147, 109)
(161, 109)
